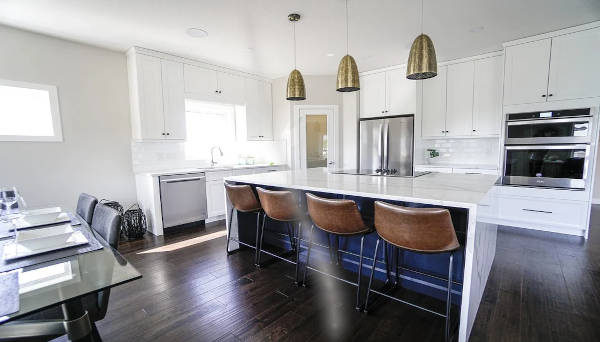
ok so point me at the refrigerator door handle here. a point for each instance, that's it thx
(386, 139)
(380, 147)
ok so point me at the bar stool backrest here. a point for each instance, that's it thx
(85, 207)
(425, 230)
(278, 205)
(337, 216)
(242, 197)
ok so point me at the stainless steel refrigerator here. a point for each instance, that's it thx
(387, 146)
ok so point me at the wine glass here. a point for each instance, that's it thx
(8, 196)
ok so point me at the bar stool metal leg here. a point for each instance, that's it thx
(448, 298)
(298, 244)
(310, 239)
(256, 251)
(290, 235)
(359, 280)
(229, 230)
(262, 233)
(372, 273)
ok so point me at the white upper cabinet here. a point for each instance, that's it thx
(156, 97)
(173, 100)
(200, 82)
(487, 96)
(434, 105)
(211, 85)
(372, 95)
(575, 66)
(387, 93)
(401, 93)
(259, 110)
(562, 67)
(231, 88)
(459, 99)
(526, 73)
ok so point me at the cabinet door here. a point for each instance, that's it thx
(526, 72)
(150, 97)
(231, 88)
(433, 119)
(401, 93)
(459, 100)
(575, 66)
(200, 83)
(259, 111)
(372, 95)
(215, 201)
(174, 100)
(487, 95)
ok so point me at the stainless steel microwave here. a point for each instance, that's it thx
(572, 126)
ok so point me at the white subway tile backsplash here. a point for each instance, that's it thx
(461, 151)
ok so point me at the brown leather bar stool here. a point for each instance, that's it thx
(338, 217)
(420, 230)
(280, 206)
(242, 199)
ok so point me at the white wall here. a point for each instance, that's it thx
(95, 156)
(320, 90)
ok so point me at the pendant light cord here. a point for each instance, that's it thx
(347, 30)
(422, 1)
(294, 28)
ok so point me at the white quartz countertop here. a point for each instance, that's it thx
(205, 169)
(446, 189)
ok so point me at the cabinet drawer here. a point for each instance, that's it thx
(476, 171)
(534, 210)
(217, 175)
(241, 172)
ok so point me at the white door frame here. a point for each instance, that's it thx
(300, 112)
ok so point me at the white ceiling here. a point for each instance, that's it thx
(255, 36)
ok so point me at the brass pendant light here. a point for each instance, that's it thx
(295, 85)
(347, 77)
(422, 62)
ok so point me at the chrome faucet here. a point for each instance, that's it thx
(212, 155)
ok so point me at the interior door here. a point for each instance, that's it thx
(174, 100)
(434, 105)
(372, 95)
(317, 138)
(459, 100)
(574, 66)
(526, 72)
(487, 96)
(371, 144)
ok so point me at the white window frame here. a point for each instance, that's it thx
(54, 111)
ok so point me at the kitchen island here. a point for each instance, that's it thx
(463, 194)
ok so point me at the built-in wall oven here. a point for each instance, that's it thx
(548, 149)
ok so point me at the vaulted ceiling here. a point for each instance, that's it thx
(255, 36)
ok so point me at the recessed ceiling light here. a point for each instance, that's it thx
(329, 54)
(476, 29)
(196, 32)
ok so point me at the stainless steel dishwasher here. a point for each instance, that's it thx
(183, 198)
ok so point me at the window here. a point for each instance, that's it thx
(29, 112)
(208, 124)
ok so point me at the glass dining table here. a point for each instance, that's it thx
(64, 282)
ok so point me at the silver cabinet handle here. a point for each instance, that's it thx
(177, 180)
(538, 211)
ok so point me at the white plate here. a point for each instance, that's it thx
(29, 221)
(31, 247)
(45, 232)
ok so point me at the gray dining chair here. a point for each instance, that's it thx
(85, 207)
(106, 221)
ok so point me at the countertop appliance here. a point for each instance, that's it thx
(548, 149)
(386, 147)
(183, 198)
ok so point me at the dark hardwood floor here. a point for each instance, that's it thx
(543, 287)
